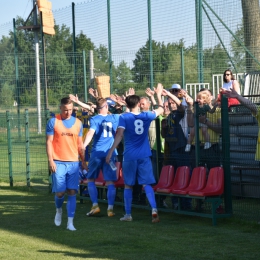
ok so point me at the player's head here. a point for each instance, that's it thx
(66, 107)
(101, 103)
(166, 110)
(203, 97)
(228, 75)
(172, 105)
(144, 103)
(132, 101)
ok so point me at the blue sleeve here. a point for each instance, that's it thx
(50, 126)
(151, 115)
(81, 130)
(93, 124)
(121, 122)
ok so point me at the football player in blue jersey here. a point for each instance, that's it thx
(133, 126)
(102, 128)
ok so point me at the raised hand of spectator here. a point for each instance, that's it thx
(130, 92)
(188, 98)
(149, 92)
(74, 98)
(118, 99)
(93, 92)
(158, 90)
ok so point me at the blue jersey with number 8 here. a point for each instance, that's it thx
(136, 141)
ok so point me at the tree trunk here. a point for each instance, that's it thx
(251, 20)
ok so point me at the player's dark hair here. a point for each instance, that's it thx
(132, 101)
(65, 101)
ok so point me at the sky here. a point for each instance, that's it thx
(12, 8)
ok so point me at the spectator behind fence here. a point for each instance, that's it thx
(177, 91)
(208, 157)
(255, 112)
(134, 127)
(175, 140)
(229, 83)
(204, 107)
(64, 145)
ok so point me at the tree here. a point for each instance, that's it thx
(251, 22)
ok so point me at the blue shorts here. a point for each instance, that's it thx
(94, 166)
(140, 169)
(65, 177)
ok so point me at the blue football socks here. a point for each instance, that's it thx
(71, 205)
(58, 202)
(111, 194)
(150, 195)
(128, 197)
(92, 190)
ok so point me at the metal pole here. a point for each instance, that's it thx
(226, 154)
(85, 75)
(150, 43)
(199, 40)
(44, 81)
(197, 136)
(182, 69)
(10, 158)
(37, 65)
(74, 48)
(91, 69)
(17, 81)
(27, 148)
(110, 46)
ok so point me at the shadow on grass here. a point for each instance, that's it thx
(30, 213)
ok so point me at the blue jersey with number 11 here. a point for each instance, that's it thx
(105, 129)
(136, 134)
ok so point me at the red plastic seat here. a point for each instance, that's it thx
(118, 169)
(100, 179)
(120, 183)
(215, 184)
(181, 180)
(166, 177)
(197, 181)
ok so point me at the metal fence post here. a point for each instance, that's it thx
(197, 135)
(10, 158)
(27, 147)
(110, 46)
(226, 154)
(150, 42)
(85, 75)
(182, 69)
(74, 48)
(17, 81)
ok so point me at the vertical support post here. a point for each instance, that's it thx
(226, 154)
(17, 81)
(150, 42)
(197, 136)
(37, 64)
(158, 147)
(44, 81)
(27, 147)
(182, 70)
(85, 75)
(74, 48)
(91, 69)
(110, 46)
(199, 40)
(10, 158)
(47, 116)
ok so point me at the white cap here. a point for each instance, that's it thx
(175, 86)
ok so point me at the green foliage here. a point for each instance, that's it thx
(6, 95)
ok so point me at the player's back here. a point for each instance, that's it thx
(136, 134)
(105, 129)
